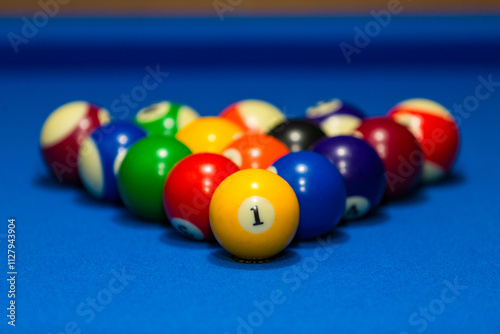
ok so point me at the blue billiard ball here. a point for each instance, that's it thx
(362, 169)
(101, 154)
(319, 187)
(335, 117)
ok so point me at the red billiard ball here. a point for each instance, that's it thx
(255, 151)
(436, 131)
(62, 134)
(399, 151)
(188, 191)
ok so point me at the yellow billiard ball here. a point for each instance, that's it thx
(254, 214)
(209, 134)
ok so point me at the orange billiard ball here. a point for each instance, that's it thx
(255, 151)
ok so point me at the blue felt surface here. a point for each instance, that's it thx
(377, 273)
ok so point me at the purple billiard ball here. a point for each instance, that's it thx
(362, 169)
(335, 117)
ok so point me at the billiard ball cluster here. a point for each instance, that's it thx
(250, 178)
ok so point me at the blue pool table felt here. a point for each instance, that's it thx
(376, 273)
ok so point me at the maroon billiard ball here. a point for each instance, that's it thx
(62, 134)
(399, 150)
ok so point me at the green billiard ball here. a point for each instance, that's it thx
(165, 118)
(143, 171)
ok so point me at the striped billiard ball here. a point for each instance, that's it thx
(165, 118)
(335, 117)
(255, 116)
(436, 131)
(101, 154)
(62, 134)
